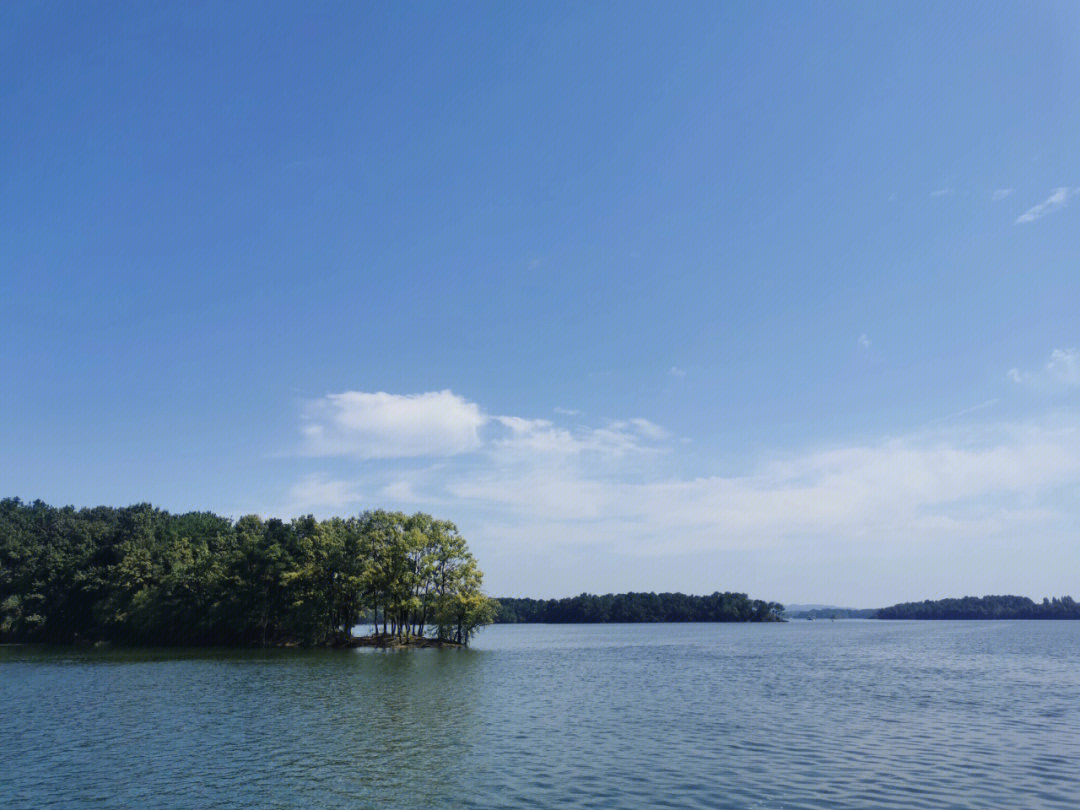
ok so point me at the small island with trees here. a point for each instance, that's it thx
(142, 576)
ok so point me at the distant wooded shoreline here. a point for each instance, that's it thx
(738, 607)
(638, 608)
(984, 607)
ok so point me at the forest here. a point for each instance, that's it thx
(985, 607)
(639, 607)
(139, 575)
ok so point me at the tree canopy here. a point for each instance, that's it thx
(140, 575)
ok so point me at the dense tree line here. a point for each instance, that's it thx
(985, 607)
(140, 575)
(639, 607)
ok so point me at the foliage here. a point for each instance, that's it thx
(140, 575)
(639, 607)
(985, 607)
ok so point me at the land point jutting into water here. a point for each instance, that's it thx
(139, 575)
(142, 576)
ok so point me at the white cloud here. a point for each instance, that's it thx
(942, 192)
(535, 437)
(522, 483)
(1064, 366)
(649, 430)
(1001, 194)
(566, 411)
(381, 425)
(908, 489)
(401, 491)
(677, 372)
(864, 341)
(1057, 200)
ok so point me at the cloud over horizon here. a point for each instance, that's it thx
(534, 482)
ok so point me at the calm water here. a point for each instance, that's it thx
(802, 715)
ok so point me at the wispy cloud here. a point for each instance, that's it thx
(965, 411)
(541, 437)
(1062, 369)
(1001, 194)
(566, 411)
(1057, 200)
(942, 192)
(677, 372)
(647, 429)
(932, 485)
(1064, 366)
(321, 491)
(864, 341)
(400, 492)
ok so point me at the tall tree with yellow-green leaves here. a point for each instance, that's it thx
(418, 568)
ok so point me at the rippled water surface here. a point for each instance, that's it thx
(803, 715)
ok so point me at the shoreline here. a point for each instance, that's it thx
(381, 642)
(393, 642)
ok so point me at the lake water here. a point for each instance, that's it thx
(846, 714)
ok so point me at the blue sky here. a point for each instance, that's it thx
(774, 297)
